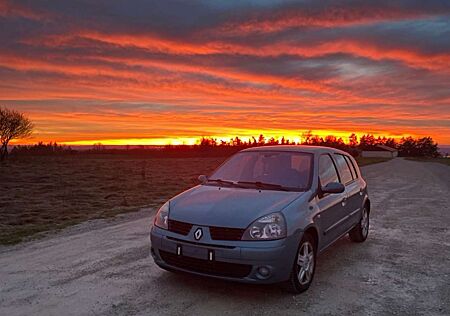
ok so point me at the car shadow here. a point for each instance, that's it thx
(168, 293)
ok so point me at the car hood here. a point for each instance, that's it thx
(227, 207)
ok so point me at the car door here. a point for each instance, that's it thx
(331, 209)
(355, 193)
(352, 189)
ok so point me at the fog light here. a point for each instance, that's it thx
(264, 271)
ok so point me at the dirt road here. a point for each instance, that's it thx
(105, 269)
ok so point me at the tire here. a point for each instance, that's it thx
(360, 232)
(304, 267)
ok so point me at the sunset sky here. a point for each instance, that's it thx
(156, 72)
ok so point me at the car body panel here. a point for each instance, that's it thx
(234, 207)
(329, 219)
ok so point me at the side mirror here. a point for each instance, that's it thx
(333, 187)
(202, 178)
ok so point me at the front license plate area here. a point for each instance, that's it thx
(194, 252)
(211, 256)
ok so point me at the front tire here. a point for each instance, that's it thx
(360, 232)
(304, 266)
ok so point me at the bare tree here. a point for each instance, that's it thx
(13, 125)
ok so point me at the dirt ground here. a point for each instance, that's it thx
(104, 268)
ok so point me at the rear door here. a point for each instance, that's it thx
(332, 211)
(356, 194)
(352, 188)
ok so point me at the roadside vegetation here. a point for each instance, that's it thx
(364, 161)
(45, 193)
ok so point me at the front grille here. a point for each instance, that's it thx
(215, 268)
(217, 233)
(224, 233)
(179, 227)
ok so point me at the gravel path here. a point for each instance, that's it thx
(104, 268)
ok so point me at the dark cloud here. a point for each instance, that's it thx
(232, 58)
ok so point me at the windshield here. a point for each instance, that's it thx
(267, 170)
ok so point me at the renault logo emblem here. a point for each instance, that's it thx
(198, 234)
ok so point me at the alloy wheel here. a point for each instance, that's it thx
(365, 223)
(305, 263)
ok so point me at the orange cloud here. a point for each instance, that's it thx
(275, 69)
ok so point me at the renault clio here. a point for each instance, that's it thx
(263, 216)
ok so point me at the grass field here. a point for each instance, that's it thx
(362, 161)
(39, 194)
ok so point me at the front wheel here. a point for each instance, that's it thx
(304, 266)
(361, 230)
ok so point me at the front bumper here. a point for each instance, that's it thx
(242, 261)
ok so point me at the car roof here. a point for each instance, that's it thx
(297, 148)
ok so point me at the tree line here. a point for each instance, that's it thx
(406, 146)
(42, 149)
(208, 146)
(14, 125)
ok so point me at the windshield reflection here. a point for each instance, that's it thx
(269, 170)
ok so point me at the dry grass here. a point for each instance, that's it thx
(39, 194)
(44, 193)
(364, 161)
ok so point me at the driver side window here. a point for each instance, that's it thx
(327, 170)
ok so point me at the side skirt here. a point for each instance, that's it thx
(331, 243)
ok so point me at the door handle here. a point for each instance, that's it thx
(344, 201)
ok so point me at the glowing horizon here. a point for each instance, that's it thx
(184, 70)
(193, 140)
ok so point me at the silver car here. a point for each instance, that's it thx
(263, 216)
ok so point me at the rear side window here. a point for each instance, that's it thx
(351, 166)
(343, 168)
(327, 170)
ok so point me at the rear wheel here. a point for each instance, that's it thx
(360, 232)
(304, 266)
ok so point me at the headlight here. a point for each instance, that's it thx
(269, 227)
(162, 217)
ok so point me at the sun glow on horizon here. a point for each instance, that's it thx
(246, 136)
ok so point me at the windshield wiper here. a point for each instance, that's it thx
(264, 185)
(222, 181)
